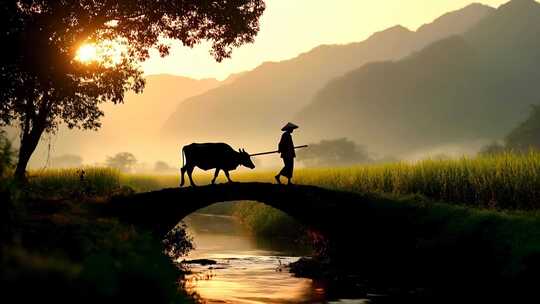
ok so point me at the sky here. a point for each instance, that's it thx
(292, 27)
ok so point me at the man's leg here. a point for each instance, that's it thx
(290, 169)
(282, 172)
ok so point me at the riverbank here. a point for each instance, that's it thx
(414, 246)
(411, 241)
(265, 223)
(59, 248)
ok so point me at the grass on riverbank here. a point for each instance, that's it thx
(56, 245)
(266, 221)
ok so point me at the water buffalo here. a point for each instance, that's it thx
(208, 156)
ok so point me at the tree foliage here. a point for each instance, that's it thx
(41, 83)
(526, 136)
(493, 148)
(334, 152)
(161, 166)
(123, 161)
(522, 139)
(177, 243)
(7, 154)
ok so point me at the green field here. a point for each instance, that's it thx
(507, 181)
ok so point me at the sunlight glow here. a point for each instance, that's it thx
(87, 53)
(108, 53)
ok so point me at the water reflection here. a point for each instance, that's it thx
(245, 272)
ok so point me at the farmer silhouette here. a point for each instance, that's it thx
(286, 149)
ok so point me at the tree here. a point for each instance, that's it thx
(334, 152)
(41, 82)
(523, 138)
(493, 148)
(122, 161)
(526, 136)
(161, 166)
(6, 154)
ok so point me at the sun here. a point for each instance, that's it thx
(107, 53)
(87, 53)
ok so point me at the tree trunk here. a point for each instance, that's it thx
(29, 142)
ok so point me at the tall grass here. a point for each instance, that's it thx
(60, 182)
(265, 221)
(148, 182)
(506, 181)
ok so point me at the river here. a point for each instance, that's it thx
(247, 271)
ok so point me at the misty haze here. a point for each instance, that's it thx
(439, 86)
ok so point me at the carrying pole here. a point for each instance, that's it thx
(273, 152)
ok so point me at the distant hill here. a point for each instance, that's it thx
(251, 109)
(465, 88)
(133, 126)
(144, 113)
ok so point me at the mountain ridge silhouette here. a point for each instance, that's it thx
(261, 100)
(472, 87)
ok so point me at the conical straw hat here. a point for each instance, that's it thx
(289, 126)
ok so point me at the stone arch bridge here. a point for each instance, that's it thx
(404, 240)
(315, 207)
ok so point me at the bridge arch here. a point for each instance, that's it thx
(381, 237)
(161, 210)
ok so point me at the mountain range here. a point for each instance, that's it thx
(469, 75)
(465, 88)
(249, 111)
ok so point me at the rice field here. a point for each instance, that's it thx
(62, 182)
(506, 181)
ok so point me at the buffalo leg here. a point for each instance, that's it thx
(227, 175)
(215, 176)
(189, 173)
(182, 172)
